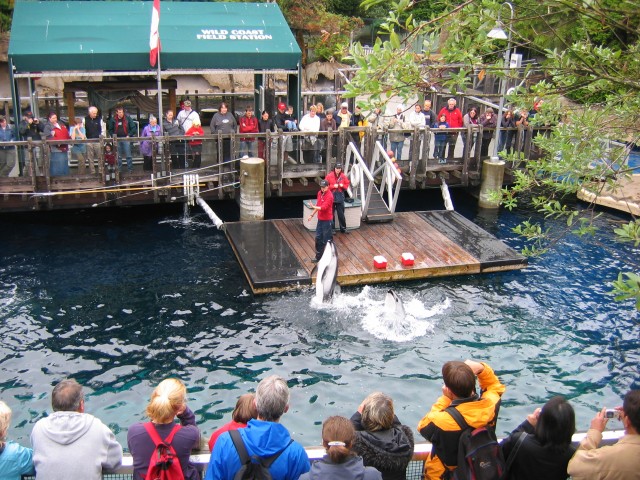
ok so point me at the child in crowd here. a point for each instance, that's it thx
(244, 411)
(440, 138)
(110, 162)
(195, 146)
(290, 120)
(79, 150)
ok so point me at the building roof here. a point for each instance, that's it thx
(49, 36)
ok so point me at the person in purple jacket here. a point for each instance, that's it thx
(168, 401)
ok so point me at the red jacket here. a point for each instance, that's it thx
(325, 202)
(454, 117)
(333, 180)
(194, 131)
(248, 125)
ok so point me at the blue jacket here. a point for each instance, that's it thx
(262, 439)
(16, 461)
(7, 134)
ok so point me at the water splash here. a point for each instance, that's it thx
(369, 307)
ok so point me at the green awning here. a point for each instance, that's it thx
(114, 36)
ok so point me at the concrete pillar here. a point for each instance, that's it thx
(251, 189)
(492, 176)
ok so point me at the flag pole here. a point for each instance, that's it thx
(159, 80)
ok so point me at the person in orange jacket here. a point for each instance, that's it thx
(459, 391)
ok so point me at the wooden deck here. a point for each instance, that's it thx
(625, 198)
(276, 254)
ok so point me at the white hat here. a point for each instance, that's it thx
(400, 107)
(344, 105)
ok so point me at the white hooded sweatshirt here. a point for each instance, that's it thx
(70, 445)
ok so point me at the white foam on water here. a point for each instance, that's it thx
(369, 306)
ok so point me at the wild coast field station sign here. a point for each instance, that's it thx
(236, 34)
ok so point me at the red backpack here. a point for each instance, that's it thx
(164, 463)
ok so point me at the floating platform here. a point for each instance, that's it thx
(276, 255)
(626, 196)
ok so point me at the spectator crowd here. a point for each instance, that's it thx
(392, 130)
(372, 444)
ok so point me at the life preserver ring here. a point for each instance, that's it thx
(355, 176)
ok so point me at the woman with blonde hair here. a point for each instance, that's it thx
(168, 401)
(15, 460)
(245, 410)
(381, 439)
(340, 462)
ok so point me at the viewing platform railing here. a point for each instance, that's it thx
(414, 470)
(292, 159)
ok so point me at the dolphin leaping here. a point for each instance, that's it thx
(327, 273)
(393, 305)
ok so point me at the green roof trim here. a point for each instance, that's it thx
(87, 36)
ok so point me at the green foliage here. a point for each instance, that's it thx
(627, 289)
(6, 13)
(630, 232)
(330, 47)
(589, 50)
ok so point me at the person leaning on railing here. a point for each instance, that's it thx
(15, 460)
(7, 152)
(168, 402)
(340, 462)
(172, 128)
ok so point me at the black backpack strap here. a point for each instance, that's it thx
(514, 453)
(240, 448)
(457, 416)
(267, 462)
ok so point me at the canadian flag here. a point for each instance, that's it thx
(154, 38)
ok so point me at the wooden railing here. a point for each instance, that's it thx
(290, 158)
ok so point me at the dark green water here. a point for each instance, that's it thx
(120, 302)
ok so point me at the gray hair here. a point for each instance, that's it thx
(67, 396)
(93, 109)
(272, 398)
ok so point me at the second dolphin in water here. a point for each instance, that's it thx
(393, 305)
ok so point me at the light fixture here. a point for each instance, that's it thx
(497, 33)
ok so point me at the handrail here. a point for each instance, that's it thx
(361, 168)
(421, 451)
(391, 177)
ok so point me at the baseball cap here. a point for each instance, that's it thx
(187, 103)
(338, 165)
(344, 105)
(281, 106)
(324, 183)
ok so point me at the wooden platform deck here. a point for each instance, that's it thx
(626, 198)
(275, 255)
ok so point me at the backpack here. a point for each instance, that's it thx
(479, 454)
(254, 467)
(164, 463)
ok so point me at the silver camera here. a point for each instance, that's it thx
(612, 413)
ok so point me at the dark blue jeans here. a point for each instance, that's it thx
(324, 233)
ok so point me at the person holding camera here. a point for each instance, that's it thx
(618, 461)
(540, 447)
(459, 392)
(29, 128)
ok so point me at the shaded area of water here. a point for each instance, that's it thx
(121, 302)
